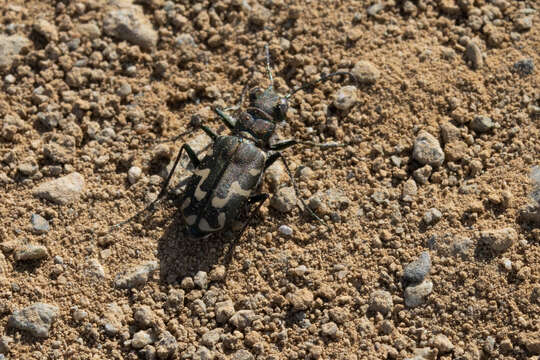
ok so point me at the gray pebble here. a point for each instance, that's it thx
(134, 174)
(4, 344)
(524, 23)
(474, 55)
(242, 319)
(124, 89)
(79, 315)
(31, 252)
(36, 319)
(422, 175)
(416, 295)
(201, 279)
(28, 168)
(135, 277)
(95, 269)
(482, 124)
(39, 224)
(129, 23)
(427, 149)
(416, 271)
(64, 190)
(285, 230)
(432, 216)
(330, 330)
(211, 338)
(166, 345)
(224, 310)
(524, 67)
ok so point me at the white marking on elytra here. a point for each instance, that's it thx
(204, 226)
(203, 173)
(235, 188)
(190, 220)
(254, 172)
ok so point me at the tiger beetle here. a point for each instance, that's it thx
(225, 180)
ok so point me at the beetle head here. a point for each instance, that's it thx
(269, 102)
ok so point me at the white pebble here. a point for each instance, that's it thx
(134, 174)
(285, 230)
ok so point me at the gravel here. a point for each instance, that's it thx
(64, 190)
(36, 319)
(427, 150)
(284, 200)
(141, 339)
(136, 276)
(39, 224)
(224, 310)
(345, 98)
(201, 280)
(416, 271)
(301, 299)
(242, 319)
(285, 230)
(432, 216)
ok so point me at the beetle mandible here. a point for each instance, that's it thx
(225, 180)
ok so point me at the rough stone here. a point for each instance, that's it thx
(301, 299)
(166, 345)
(242, 319)
(284, 200)
(64, 190)
(442, 343)
(366, 72)
(224, 310)
(345, 98)
(499, 240)
(427, 150)
(416, 271)
(135, 277)
(474, 55)
(35, 319)
(482, 124)
(141, 339)
(39, 224)
(128, 22)
(380, 301)
(10, 47)
(31, 252)
(416, 295)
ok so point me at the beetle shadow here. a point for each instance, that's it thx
(181, 256)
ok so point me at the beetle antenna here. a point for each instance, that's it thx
(268, 68)
(322, 79)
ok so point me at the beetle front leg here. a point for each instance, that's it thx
(227, 119)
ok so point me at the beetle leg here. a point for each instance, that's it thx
(241, 101)
(227, 119)
(287, 143)
(209, 132)
(163, 190)
(277, 155)
(259, 199)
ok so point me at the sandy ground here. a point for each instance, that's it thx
(441, 134)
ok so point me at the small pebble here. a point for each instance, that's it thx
(416, 271)
(141, 339)
(128, 22)
(416, 295)
(242, 319)
(524, 67)
(345, 98)
(301, 299)
(507, 264)
(166, 345)
(136, 276)
(224, 310)
(499, 240)
(31, 252)
(482, 124)
(474, 55)
(366, 72)
(201, 280)
(330, 330)
(524, 23)
(79, 315)
(432, 216)
(442, 343)
(374, 9)
(39, 224)
(144, 317)
(427, 150)
(284, 200)
(124, 89)
(380, 301)
(218, 273)
(285, 230)
(64, 190)
(134, 174)
(243, 354)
